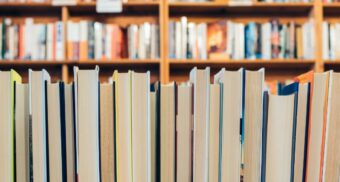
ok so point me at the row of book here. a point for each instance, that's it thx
(127, 130)
(31, 41)
(331, 47)
(85, 40)
(227, 39)
(94, 40)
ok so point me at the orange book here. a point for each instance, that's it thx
(21, 41)
(116, 42)
(83, 42)
(69, 50)
(318, 110)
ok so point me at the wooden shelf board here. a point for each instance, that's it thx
(142, 7)
(255, 8)
(119, 62)
(274, 63)
(331, 9)
(25, 63)
(26, 4)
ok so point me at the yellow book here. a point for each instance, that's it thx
(7, 125)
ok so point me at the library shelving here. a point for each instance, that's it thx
(161, 12)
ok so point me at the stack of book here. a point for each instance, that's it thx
(331, 47)
(233, 40)
(100, 41)
(126, 130)
(31, 41)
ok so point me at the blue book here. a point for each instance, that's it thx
(250, 38)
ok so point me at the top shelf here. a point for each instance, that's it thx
(17, 8)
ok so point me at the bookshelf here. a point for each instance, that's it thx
(162, 12)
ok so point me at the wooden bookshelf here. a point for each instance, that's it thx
(161, 12)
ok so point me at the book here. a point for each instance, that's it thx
(281, 115)
(70, 126)
(301, 131)
(292, 88)
(216, 39)
(38, 118)
(154, 119)
(22, 134)
(88, 124)
(184, 133)
(167, 132)
(7, 124)
(253, 115)
(201, 85)
(214, 132)
(317, 125)
(56, 131)
(123, 125)
(331, 158)
(155, 131)
(231, 117)
(141, 126)
(107, 132)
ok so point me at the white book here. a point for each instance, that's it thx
(253, 123)
(230, 37)
(28, 38)
(50, 41)
(154, 52)
(325, 40)
(239, 41)
(108, 41)
(123, 125)
(141, 127)
(214, 132)
(202, 40)
(60, 46)
(56, 131)
(231, 114)
(332, 40)
(167, 132)
(22, 132)
(184, 133)
(147, 39)
(70, 133)
(98, 43)
(337, 43)
(279, 137)
(7, 124)
(133, 41)
(88, 125)
(178, 40)
(191, 40)
(184, 37)
(141, 42)
(11, 45)
(201, 86)
(37, 100)
(266, 41)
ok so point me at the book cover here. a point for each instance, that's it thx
(217, 40)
